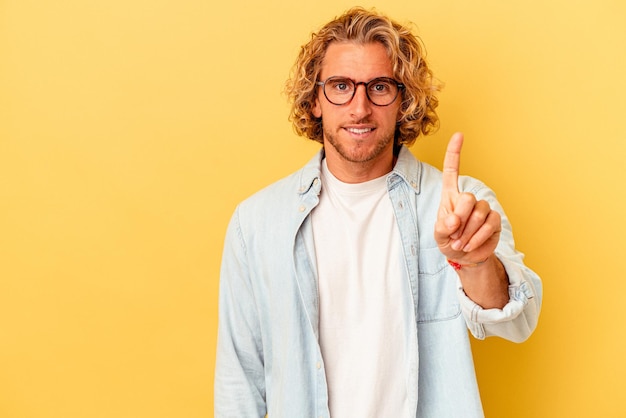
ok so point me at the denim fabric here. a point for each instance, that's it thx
(268, 356)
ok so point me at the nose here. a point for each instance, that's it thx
(360, 106)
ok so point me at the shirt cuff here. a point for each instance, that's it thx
(486, 322)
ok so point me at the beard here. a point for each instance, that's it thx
(359, 151)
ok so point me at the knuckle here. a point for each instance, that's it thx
(495, 218)
(478, 216)
(484, 206)
(489, 229)
(468, 197)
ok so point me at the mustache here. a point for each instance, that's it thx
(362, 121)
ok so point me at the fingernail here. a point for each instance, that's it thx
(456, 245)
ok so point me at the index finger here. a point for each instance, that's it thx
(451, 164)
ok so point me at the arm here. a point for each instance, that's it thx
(239, 369)
(499, 295)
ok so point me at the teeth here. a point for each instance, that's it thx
(359, 131)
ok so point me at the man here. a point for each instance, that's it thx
(348, 287)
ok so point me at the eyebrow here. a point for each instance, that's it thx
(357, 81)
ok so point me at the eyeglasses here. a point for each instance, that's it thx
(381, 91)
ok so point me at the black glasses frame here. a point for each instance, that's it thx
(366, 84)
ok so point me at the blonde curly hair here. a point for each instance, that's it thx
(407, 53)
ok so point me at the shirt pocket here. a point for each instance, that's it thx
(437, 295)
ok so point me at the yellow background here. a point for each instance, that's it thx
(129, 130)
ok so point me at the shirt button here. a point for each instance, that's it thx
(318, 365)
(302, 208)
(316, 182)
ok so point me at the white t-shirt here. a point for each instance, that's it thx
(363, 290)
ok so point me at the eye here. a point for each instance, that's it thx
(380, 86)
(340, 85)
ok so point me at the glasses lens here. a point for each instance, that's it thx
(339, 90)
(382, 91)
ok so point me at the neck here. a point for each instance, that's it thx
(357, 171)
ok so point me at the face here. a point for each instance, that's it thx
(357, 134)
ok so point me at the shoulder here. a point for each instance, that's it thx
(282, 195)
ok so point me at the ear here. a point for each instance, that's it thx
(317, 109)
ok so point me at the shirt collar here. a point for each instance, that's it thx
(311, 173)
(407, 168)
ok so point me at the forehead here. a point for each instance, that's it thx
(360, 62)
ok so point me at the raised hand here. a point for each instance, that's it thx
(467, 230)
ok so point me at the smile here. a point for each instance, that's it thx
(359, 131)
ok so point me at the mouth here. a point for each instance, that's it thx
(359, 131)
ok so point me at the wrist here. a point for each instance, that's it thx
(458, 266)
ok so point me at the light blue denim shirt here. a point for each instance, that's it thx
(268, 357)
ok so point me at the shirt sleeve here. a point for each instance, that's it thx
(518, 318)
(239, 389)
